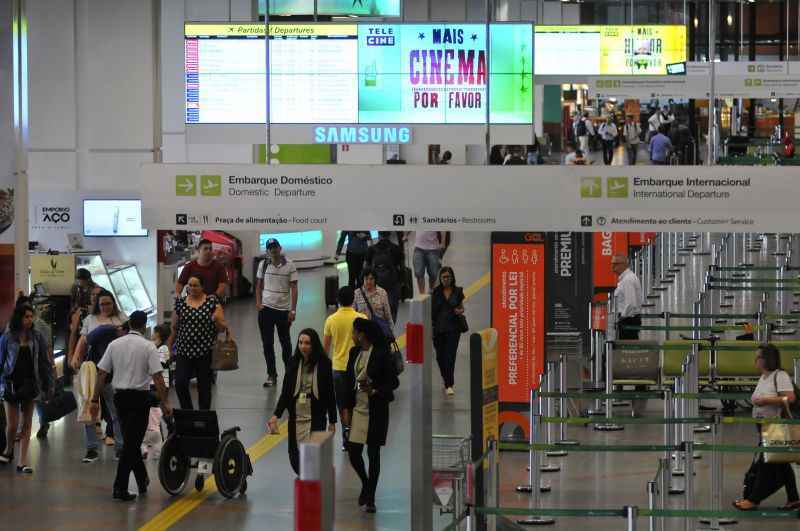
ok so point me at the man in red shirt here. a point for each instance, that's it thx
(209, 271)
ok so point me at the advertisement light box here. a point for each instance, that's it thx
(367, 74)
(609, 50)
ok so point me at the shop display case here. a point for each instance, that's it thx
(129, 289)
(93, 262)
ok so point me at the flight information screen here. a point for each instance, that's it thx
(368, 73)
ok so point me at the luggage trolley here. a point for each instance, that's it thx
(196, 436)
(450, 459)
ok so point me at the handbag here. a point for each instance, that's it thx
(59, 406)
(397, 359)
(463, 326)
(781, 436)
(225, 356)
(384, 324)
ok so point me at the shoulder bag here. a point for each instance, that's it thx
(386, 326)
(781, 436)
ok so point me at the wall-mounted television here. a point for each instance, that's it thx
(112, 217)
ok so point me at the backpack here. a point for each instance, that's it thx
(383, 266)
(581, 129)
(794, 407)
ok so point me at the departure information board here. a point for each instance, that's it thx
(368, 73)
(608, 50)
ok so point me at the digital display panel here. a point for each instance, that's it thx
(422, 73)
(367, 73)
(112, 217)
(608, 50)
(373, 8)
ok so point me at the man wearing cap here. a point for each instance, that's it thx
(276, 301)
(135, 363)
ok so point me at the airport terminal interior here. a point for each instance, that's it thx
(605, 335)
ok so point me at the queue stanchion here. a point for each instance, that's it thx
(534, 477)
(796, 371)
(688, 495)
(563, 388)
(630, 515)
(678, 465)
(550, 411)
(652, 490)
(664, 489)
(760, 322)
(669, 439)
(493, 484)
(667, 325)
(608, 425)
(717, 480)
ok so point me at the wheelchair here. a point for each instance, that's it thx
(195, 435)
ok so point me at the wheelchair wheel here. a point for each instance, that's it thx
(230, 466)
(173, 467)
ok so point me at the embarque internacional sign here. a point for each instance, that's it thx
(470, 198)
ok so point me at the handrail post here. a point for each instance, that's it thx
(717, 478)
(664, 490)
(608, 425)
(492, 498)
(796, 371)
(651, 503)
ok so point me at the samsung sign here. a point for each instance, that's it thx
(332, 134)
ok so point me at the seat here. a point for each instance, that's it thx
(736, 367)
(674, 353)
(636, 363)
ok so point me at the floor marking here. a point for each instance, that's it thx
(189, 502)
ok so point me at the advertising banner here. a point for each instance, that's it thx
(56, 272)
(518, 312)
(580, 198)
(511, 74)
(605, 246)
(422, 73)
(569, 289)
(609, 50)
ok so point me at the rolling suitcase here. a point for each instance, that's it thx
(331, 290)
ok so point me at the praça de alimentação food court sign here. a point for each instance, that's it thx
(470, 198)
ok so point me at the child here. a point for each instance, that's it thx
(153, 438)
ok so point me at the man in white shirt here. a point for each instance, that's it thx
(136, 364)
(608, 134)
(628, 298)
(631, 132)
(585, 130)
(276, 302)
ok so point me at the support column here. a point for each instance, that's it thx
(19, 48)
(419, 354)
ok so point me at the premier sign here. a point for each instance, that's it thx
(325, 134)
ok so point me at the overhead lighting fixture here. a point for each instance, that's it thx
(696, 22)
(729, 20)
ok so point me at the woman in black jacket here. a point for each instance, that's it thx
(370, 380)
(447, 302)
(307, 394)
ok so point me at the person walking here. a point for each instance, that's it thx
(627, 297)
(584, 130)
(608, 134)
(25, 375)
(631, 133)
(373, 301)
(197, 320)
(428, 249)
(771, 399)
(211, 272)
(307, 394)
(104, 321)
(447, 309)
(337, 340)
(358, 244)
(276, 302)
(81, 303)
(660, 147)
(135, 363)
(371, 380)
(386, 259)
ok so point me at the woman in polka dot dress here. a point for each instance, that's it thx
(197, 320)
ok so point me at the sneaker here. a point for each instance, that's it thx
(124, 496)
(450, 391)
(270, 382)
(43, 429)
(91, 456)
